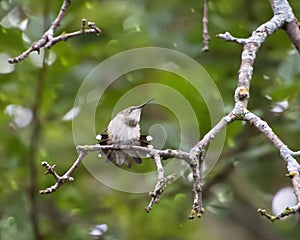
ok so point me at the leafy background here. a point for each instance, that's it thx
(249, 172)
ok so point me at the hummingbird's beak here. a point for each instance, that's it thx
(144, 104)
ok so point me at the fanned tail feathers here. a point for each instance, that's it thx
(119, 157)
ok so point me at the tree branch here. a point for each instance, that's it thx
(48, 40)
(161, 184)
(85, 149)
(60, 180)
(286, 212)
(283, 18)
(292, 29)
(229, 38)
(197, 209)
(205, 34)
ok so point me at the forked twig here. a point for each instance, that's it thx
(48, 40)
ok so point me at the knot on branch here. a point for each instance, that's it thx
(241, 94)
(291, 174)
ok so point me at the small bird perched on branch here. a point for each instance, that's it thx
(124, 129)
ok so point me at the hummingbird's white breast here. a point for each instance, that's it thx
(120, 132)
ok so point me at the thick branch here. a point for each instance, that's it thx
(208, 137)
(197, 209)
(283, 17)
(292, 29)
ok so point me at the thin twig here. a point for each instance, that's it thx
(229, 38)
(66, 36)
(48, 40)
(161, 184)
(205, 34)
(295, 153)
(164, 154)
(85, 149)
(60, 180)
(285, 213)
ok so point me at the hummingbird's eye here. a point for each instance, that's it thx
(130, 110)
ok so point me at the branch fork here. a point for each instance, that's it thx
(158, 190)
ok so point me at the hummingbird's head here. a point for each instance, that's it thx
(132, 115)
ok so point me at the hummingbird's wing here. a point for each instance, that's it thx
(145, 140)
(102, 137)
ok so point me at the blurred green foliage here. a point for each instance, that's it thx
(253, 170)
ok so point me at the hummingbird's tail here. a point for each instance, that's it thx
(119, 157)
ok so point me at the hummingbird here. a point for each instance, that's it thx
(124, 129)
